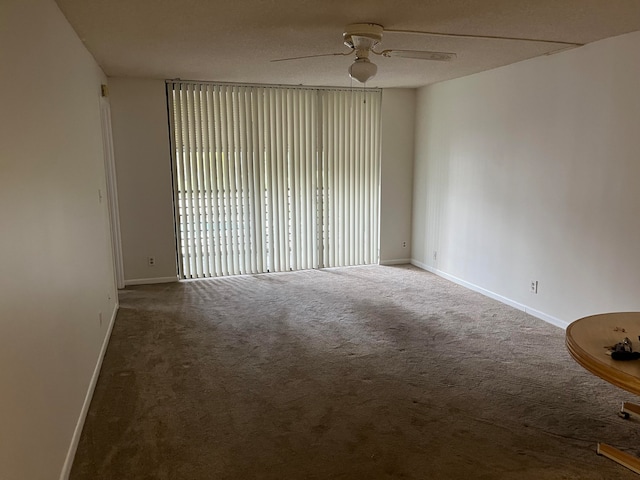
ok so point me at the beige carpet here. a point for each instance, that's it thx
(352, 373)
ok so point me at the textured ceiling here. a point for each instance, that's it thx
(234, 41)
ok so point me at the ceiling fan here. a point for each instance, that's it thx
(362, 38)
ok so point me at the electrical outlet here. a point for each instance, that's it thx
(435, 255)
(533, 287)
(404, 244)
(151, 261)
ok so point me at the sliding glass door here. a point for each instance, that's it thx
(271, 179)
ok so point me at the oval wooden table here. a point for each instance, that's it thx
(588, 340)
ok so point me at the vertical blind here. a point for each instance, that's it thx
(271, 179)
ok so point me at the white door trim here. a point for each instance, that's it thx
(112, 191)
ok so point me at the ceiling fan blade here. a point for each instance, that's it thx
(312, 56)
(419, 54)
(488, 37)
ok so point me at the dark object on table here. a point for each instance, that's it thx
(623, 355)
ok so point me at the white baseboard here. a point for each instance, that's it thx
(397, 261)
(75, 439)
(488, 293)
(150, 281)
(421, 265)
(547, 318)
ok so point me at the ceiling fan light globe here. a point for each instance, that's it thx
(362, 70)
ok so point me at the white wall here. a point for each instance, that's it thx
(141, 140)
(398, 117)
(143, 165)
(55, 251)
(531, 171)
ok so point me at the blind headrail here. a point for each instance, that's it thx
(177, 81)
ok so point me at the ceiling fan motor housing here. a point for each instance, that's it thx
(362, 36)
